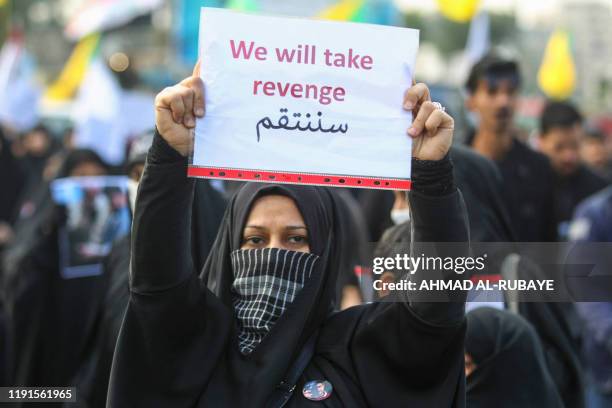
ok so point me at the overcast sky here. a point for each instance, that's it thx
(529, 12)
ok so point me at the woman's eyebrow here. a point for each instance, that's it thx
(296, 227)
(259, 227)
(289, 227)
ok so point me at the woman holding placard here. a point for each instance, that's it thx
(257, 328)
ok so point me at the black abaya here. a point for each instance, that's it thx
(93, 376)
(178, 343)
(511, 369)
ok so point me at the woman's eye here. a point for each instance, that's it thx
(298, 239)
(254, 240)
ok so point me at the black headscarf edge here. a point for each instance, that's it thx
(317, 299)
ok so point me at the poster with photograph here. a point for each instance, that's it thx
(97, 213)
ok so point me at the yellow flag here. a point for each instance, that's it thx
(72, 74)
(345, 10)
(557, 75)
(460, 11)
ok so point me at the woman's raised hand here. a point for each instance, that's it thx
(176, 110)
(432, 128)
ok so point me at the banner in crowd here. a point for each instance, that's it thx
(96, 213)
(93, 16)
(19, 90)
(302, 101)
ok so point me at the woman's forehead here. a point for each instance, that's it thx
(313, 206)
(275, 209)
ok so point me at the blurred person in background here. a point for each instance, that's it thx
(44, 312)
(35, 148)
(208, 206)
(91, 379)
(481, 185)
(493, 86)
(505, 364)
(40, 166)
(593, 223)
(561, 131)
(11, 181)
(594, 153)
(352, 256)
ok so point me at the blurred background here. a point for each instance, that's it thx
(58, 53)
(77, 85)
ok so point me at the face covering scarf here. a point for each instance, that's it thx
(266, 281)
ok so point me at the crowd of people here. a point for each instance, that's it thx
(178, 313)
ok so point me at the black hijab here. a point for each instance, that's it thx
(355, 234)
(481, 184)
(314, 302)
(511, 370)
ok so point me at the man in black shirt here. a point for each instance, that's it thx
(492, 88)
(560, 134)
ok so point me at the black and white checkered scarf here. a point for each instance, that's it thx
(266, 281)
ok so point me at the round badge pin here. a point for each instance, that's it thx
(318, 390)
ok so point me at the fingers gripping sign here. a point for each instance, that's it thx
(432, 129)
(176, 110)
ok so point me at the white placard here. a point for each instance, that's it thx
(304, 101)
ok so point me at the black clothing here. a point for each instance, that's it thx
(29, 263)
(376, 206)
(12, 180)
(510, 369)
(93, 375)
(47, 316)
(480, 182)
(528, 193)
(429, 178)
(555, 324)
(433, 178)
(571, 191)
(178, 343)
(208, 208)
(551, 320)
(356, 237)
